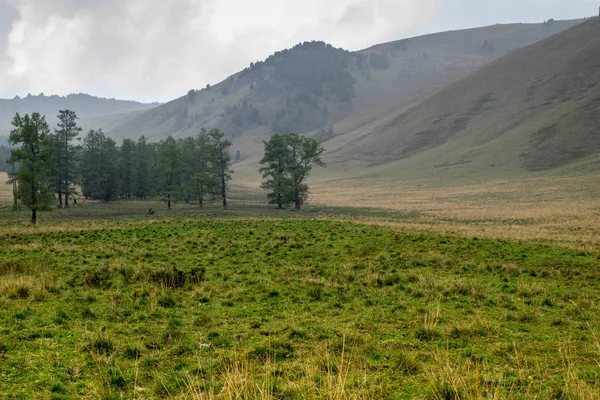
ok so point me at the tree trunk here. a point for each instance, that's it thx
(60, 203)
(33, 216)
(169, 201)
(297, 200)
(15, 190)
(223, 193)
(201, 202)
(67, 188)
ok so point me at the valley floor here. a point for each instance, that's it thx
(101, 301)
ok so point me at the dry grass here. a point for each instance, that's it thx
(5, 190)
(562, 210)
(337, 378)
(17, 286)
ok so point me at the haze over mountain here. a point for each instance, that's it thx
(518, 97)
(314, 86)
(89, 109)
(156, 50)
(535, 109)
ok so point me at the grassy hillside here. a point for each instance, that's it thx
(312, 86)
(87, 108)
(535, 109)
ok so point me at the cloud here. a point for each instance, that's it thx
(157, 50)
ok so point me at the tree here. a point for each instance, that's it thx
(187, 148)
(127, 168)
(66, 132)
(304, 153)
(143, 161)
(169, 169)
(221, 160)
(287, 162)
(33, 153)
(205, 176)
(100, 172)
(56, 181)
(273, 169)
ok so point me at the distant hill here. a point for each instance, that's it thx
(535, 109)
(317, 89)
(87, 108)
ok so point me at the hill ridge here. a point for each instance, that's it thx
(540, 104)
(372, 83)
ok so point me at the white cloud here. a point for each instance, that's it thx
(157, 50)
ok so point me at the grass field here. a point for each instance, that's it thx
(102, 302)
(560, 210)
(5, 190)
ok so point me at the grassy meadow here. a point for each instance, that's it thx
(102, 302)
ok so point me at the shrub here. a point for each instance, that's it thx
(101, 346)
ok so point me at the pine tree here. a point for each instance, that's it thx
(67, 131)
(221, 160)
(287, 162)
(187, 148)
(100, 172)
(205, 177)
(304, 153)
(127, 155)
(169, 169)
(143, 164)
(273, 169)
(33, 152)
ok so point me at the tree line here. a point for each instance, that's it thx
(47, 167)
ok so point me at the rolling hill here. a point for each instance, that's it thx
(535, 109)
(317, 89)
(87, 107)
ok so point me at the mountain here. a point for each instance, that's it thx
(317, 89)
(532, 110)
(87, 108)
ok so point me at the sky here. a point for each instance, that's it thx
(157, 50)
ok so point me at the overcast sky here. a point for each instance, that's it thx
(156, 50)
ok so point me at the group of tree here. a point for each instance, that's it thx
(287, 162)
(46, 167)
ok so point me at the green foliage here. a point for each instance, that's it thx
(205, 180)
(287, 162)
(274, 170)
(100, 172)
(220, 161)
(143, 165)
(170, 168)
(127, 170)
(32, 150)
(67, 130)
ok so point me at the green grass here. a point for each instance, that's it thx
(291, 308)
